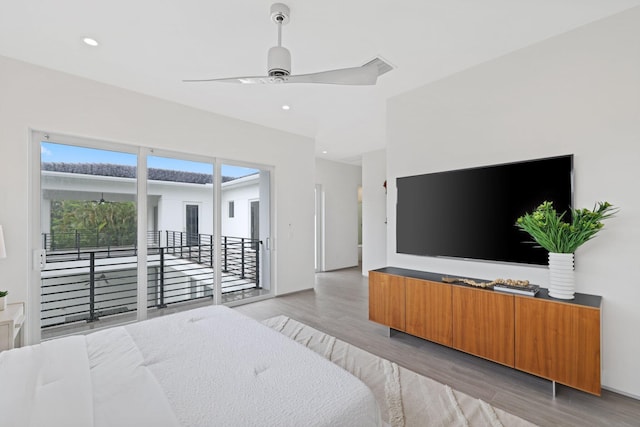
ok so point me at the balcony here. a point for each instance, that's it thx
(90, 280)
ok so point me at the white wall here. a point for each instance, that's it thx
(374, 211)
(36, 98)
(576, 93)
(172, 198)
(340, 184)
(241, 195)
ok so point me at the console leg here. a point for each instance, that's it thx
(553, 389)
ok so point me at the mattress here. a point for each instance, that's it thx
(203, 367)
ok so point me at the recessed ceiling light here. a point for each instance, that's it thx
(286, 107)
(324, 151)
(89, 41)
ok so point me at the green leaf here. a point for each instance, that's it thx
(550, 231)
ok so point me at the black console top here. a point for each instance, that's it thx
(580, 299)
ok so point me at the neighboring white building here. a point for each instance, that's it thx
(170, 203)
(240, 207)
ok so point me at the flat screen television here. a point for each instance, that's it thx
(471, 213)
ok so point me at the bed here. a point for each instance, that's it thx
(203, 367)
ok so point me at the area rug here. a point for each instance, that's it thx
(406, 399)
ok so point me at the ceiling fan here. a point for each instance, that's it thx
(100, 202)
(279, 65)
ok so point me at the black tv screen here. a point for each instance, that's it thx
(470, 213)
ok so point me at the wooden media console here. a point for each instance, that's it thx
(555, 339)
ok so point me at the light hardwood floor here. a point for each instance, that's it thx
(338, 305)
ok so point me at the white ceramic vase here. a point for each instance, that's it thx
(3, 303)
(561, 276)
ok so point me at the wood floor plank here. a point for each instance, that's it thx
(338, 305)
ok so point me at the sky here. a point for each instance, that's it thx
(52, 152)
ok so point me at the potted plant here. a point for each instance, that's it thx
(3, 299)
(562, 238)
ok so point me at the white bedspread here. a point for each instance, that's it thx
(205, 367)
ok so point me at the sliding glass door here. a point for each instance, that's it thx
(128, 233)
(88, 237)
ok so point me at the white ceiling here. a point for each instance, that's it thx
(150, 46)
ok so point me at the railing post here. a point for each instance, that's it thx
(199, 249)
(162, 304)
(242, 258)
(226, 266)
(211, 251)
(53, 247)
(92, 288)
(44, 241)
(181, 245)
(257, 264)
(78, 243)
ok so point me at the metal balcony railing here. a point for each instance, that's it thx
(85, 284)
(72, 240)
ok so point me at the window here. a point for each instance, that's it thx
(231, 209)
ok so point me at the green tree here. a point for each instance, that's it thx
(95, 224)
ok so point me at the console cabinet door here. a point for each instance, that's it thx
(483, 324)
(387, 300)
(559, 341)
(429, 311)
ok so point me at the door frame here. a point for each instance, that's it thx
(267, 207)
(36, 136)
(319, 228)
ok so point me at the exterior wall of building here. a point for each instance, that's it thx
(170, 199)
(241, 192)
(173, 197)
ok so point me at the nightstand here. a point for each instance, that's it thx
(11, 320)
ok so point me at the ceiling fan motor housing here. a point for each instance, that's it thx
(279, 61)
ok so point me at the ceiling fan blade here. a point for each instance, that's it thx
(242, 80)
(364, 75)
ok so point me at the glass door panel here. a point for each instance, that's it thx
(88, 234)
(181, 259)
(245, 232)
